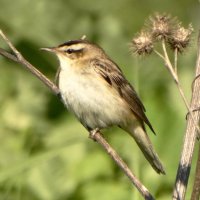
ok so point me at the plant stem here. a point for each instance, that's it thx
(17, 57)
(183, 171)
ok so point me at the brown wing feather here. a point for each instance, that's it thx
(114, 76)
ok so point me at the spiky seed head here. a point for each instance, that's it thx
(161, 26)
(180, 38)
(142, 44)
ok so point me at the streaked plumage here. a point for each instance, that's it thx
(94, 88)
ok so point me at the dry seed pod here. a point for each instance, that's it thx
(180, 38)
(161, 26)
(142, 44)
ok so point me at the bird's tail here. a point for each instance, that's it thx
(146, 147)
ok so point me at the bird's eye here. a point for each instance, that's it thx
(69, 51)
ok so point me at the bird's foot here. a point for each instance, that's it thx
(92, 133)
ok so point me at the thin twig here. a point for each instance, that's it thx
(168, 63)
(112, 153)
(175, 60)
(159, 54)
(8, 55)
(174, 74)
(189, 140)
(184, 98)
(17, 57)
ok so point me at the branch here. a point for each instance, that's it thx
(190, 138)
(17, 57)
(196, 187)
(113, 154)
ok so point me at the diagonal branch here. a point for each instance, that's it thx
(17, 57)
(113, 154)
(190, 138)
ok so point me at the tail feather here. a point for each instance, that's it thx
(146, 147)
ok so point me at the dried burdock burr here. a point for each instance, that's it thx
(142, 44)
(161, 26)
(180, 38)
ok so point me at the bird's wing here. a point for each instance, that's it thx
(115, 78)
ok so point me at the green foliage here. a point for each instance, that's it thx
(44, 152)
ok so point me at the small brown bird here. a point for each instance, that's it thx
(94, 88)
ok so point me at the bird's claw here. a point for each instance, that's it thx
(92, 133)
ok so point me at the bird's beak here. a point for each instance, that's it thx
(50, 49)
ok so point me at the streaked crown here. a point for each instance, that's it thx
(77, 49)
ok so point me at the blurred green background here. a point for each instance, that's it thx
(45, 153)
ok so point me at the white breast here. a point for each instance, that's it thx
(92, 100)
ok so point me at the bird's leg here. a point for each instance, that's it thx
(92, 133)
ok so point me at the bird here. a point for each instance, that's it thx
(95, 90)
